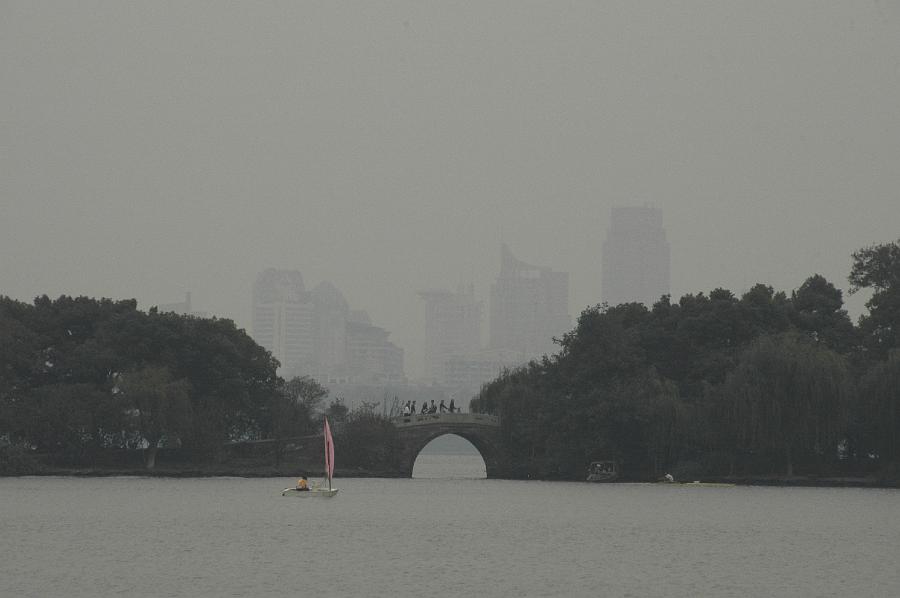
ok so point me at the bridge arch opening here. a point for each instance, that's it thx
(449, 456)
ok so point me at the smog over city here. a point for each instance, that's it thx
(490, 298)
(152, 150)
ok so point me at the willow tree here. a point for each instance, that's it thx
(880, 389)
(788, 397)
(641, 418)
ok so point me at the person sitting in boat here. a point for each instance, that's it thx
(442, 407)
(302, 485)
(406, 408)
(452, 406)
(424, 407)
(433, 408)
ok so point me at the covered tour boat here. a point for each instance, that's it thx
(603, 471)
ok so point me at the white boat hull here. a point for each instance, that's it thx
(315, 492)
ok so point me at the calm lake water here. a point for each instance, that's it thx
(442, 533)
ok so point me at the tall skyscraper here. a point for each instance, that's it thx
(283, 318)
(330, 315)
(452, 327)
(635, 261)
(315, 333)
(529, 307)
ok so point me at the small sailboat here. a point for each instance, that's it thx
(317, 489)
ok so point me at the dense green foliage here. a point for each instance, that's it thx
(716, 384)
(880, 408)
(878, 268)
(787, 396)
(81, 375)
(87, 382)
(367, 440)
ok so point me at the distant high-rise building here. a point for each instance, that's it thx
(330, 314)
(452, 327)
(465, 373)
(371, 357)
(635, 261)
(283, 318)
(529, 307)
(182, 308)
(314, 333)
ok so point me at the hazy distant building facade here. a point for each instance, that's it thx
(465, 373)
(529, 307)
(371, 357)
(635, 262)
(330, 315)
(452, 327)
(456, 364)
(182, 308)
(314, 333)
(283, 318)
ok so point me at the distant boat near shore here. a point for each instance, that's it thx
(603, 471)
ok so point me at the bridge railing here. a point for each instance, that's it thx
(446, 418)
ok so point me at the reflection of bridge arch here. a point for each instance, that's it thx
(483, 431)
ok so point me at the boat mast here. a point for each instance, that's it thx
(329, 453)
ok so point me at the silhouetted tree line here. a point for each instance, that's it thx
(82, 378)
(716, 384)
(364, 439)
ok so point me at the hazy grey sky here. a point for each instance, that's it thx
(148, 149)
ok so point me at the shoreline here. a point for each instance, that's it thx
(221, 472)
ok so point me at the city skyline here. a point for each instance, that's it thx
(528, 310)
(315, 333)
(309, 330)
(391, 149)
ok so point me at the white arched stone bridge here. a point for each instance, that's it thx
(482, 430)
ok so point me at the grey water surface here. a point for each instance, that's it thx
(443, 533)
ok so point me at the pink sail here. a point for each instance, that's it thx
(329, 453)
